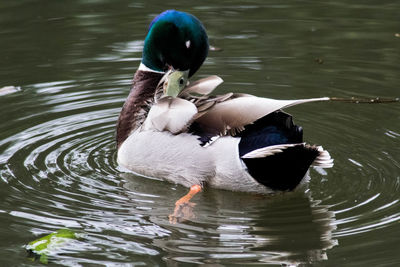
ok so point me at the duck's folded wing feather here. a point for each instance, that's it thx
(203, 86)
(232, 115)
(170, 114)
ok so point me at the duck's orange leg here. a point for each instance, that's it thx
(183, 207)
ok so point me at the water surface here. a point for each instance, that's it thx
(74, 62)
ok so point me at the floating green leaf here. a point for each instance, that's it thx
(40, 248)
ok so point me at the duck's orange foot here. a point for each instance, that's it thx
(182, 212)
(183, 207)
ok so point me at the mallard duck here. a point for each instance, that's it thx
(173, 129)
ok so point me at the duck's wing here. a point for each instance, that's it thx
(216, 115)
(170, 114)
(229, 114)
(176, 114)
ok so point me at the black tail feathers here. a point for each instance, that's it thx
(281, 171)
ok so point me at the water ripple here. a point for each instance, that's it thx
(58, 156)
(66, 167)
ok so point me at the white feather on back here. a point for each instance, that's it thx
(203, 86)
(170, 114)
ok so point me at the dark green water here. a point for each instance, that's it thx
(74, 61)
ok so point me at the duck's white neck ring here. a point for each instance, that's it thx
(143, 67)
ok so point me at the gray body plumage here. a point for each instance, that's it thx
(180, 159)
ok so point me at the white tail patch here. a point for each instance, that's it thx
(268, 151)
(324, 159)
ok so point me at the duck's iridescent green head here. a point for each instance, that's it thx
(175, 39)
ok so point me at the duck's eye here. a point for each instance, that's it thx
(187, 43)
(181, 81)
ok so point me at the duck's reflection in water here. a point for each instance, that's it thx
(240, 228)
